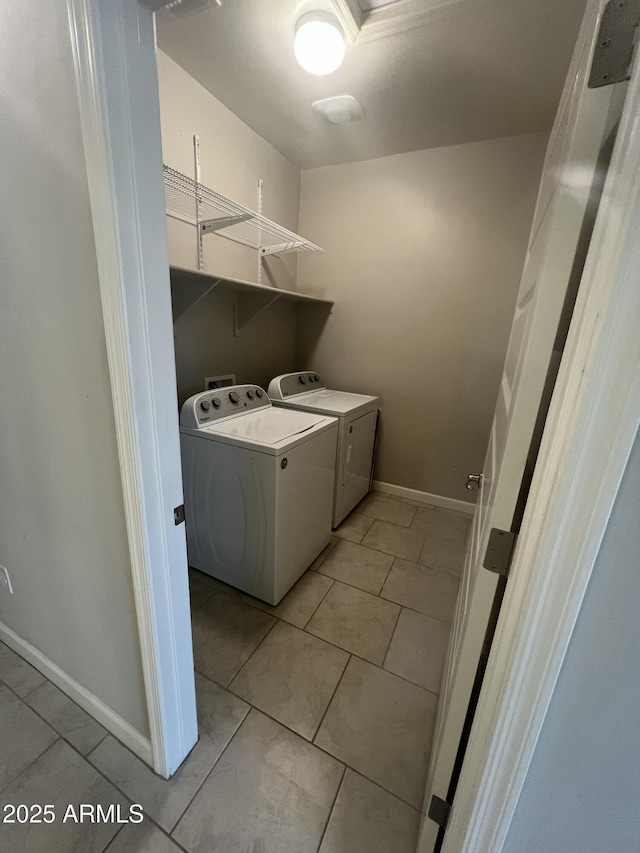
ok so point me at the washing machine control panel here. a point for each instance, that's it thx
(213, 405)
(295, 383)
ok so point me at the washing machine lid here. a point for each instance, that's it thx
(336, 403)
(274, 430)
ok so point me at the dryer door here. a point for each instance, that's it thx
(357, 450)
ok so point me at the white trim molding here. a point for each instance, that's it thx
(114, 56)
(349, 14)
(405, 15)
(106, 716)
(425, 497)
(591, 426)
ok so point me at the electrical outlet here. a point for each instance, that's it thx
(5, 580)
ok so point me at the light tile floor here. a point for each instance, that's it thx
(315, 716)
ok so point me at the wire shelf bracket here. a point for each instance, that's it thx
(211, 212)
(212, 225)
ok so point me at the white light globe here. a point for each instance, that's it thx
(319, 44)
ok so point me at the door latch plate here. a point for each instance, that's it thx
(178, 514)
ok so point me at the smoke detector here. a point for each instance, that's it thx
(341, 109)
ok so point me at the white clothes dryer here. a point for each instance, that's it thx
(357, 418)
(258, 488)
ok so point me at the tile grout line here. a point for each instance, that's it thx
(31, 763)
(53, 728)
(417, 809)
(379, 593)
(331, 548)
(113, 784)
(162, 779)
(397, 557)
(329, 588)
(120, 829)
(264, 713)
(212, 768)
(100, 772)
(156, 826)
(334, 646)
(386, 520)
(59, 735)
(331, 698)
(393, 633)
(342, 760)
(373, 781)
(331, 810)
(200, 606)
(85, 759)
(413, 610)
(375, 595)
(233, 677)
(339, 648)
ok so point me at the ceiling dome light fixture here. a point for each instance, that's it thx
(319, 43)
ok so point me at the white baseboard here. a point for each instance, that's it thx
(106, 716)
(425, 497)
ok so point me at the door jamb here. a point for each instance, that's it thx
(591, 426)
(113, 44)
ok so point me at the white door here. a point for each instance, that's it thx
(581, 131)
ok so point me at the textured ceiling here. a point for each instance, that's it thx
(460, 71)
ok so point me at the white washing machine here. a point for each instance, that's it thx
(357, 418)
(258, 488)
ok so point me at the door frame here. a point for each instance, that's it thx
(589, 433)
(590, 430)
(113, 46)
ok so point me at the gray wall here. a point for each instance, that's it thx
(582, 792)
(424, 253)
(233, 158)
(206, 346)
(62, 525)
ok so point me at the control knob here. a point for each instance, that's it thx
(215, 402)
(258, 392)
(251, 394)
(302, 380)
(234, 397)
(204, 405)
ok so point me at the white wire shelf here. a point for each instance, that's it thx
(212, 212)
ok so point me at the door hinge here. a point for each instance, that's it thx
(178, 514)
(616, 43)
(439, 811)
(499, 551)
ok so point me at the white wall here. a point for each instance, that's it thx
(581, 792)
(62, 526)
(423, 257)
(233, 157)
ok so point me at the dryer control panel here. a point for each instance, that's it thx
(209, 406)
(290, 384)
